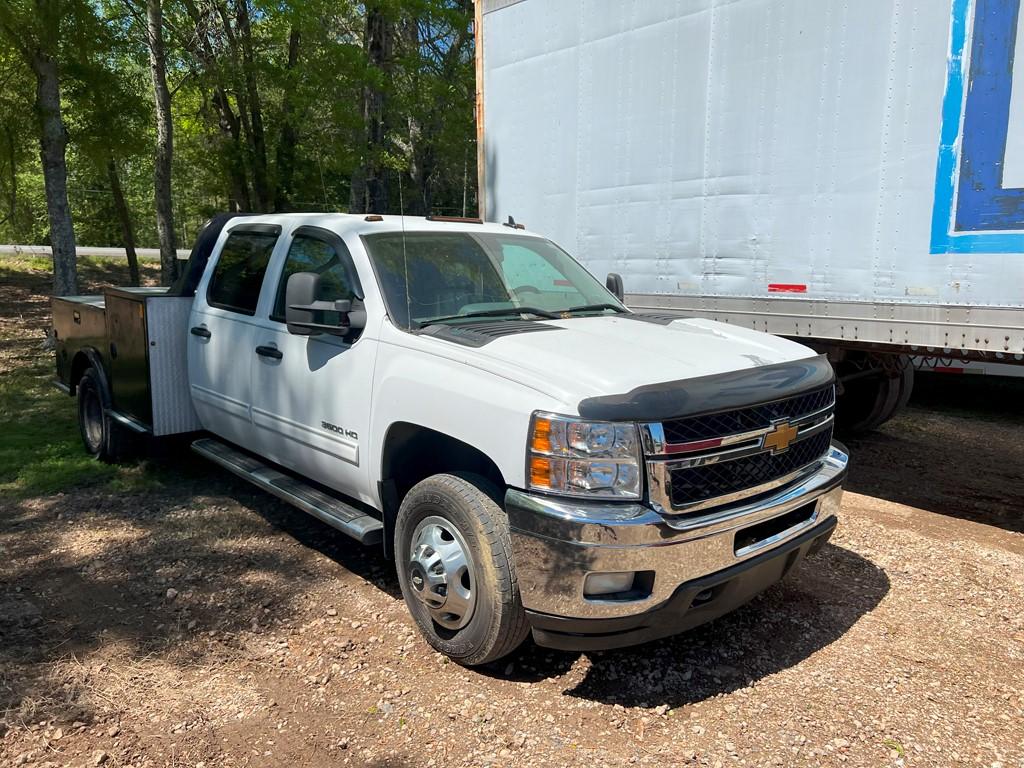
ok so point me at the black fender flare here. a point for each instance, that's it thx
(92, 359)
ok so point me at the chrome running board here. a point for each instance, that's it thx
(327, 508)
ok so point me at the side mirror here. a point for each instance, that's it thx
(304, 314)
(614, 285)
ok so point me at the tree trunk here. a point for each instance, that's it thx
(231, 151)
(238, 193)
(228, 122)
(164, 144)
(125, 216)
(419, 144)
(285, 160)
(425, 166)
(52, 144)
(244, 154)
(12, 176)
(357, 191)
(379, 38)
(231, 129)
(260, 184)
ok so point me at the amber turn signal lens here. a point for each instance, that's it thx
(540, 472)
(541, 442)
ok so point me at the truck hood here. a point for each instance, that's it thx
(600, 356)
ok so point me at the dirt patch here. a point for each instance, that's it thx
(195, 621)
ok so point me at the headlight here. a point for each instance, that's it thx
(583, 458)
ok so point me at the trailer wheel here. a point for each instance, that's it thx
(100, 434)
(454, 558)
(872, 394)
(906, 384)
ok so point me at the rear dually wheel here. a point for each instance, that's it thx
(101, 435)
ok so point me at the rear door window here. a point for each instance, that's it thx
(238, 276)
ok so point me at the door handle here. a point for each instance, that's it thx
(272, 352)
(198, 330)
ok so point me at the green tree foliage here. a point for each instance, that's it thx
(325, 105)
(109, 118)
(44, 34)
(22, 206)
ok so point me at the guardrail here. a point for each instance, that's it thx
(85, 250)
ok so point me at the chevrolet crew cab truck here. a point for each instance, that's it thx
(535, 457)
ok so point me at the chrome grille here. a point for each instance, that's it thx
(695, 484)
(747, 419)
(717, 460)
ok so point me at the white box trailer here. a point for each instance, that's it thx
(846, 172)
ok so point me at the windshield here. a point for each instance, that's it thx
(448, 276)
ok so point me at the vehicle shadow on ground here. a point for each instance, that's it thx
(367, 562)
(812, 608)
(93, 571)
(956, 451)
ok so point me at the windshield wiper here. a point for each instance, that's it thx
(492, 313)
(593, 308)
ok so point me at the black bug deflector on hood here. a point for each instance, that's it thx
(708, 394)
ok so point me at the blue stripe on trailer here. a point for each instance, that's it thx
(973, 212)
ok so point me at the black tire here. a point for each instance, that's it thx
(906, 384)
(496, 624)
(868, 401)
(101, 435)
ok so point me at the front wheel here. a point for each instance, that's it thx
(454, 558)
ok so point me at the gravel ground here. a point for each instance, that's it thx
(194, 621)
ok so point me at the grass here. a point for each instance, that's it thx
(895, 746)
(27, 262)
(105, 269)
(40, 448)
(41, 451)
(37, 263)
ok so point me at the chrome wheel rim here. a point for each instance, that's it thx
(92, 420)
(441, 573)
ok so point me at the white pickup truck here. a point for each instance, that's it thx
(533, 455)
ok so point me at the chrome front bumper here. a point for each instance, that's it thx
(556, 542)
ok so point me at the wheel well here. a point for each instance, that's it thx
(413, 453)
(79, 364)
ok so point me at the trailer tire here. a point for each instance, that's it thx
(869, 401)
(452, 540)
(906, 384)
(101, 435)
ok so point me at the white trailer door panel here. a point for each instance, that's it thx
(823, 150)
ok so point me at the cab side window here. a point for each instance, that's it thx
(331, 261)
(237, 278)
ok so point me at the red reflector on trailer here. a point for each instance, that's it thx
(787, 288)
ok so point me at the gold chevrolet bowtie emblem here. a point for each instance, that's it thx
(780, 437)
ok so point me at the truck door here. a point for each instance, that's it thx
(222, 328)
(311, 394)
